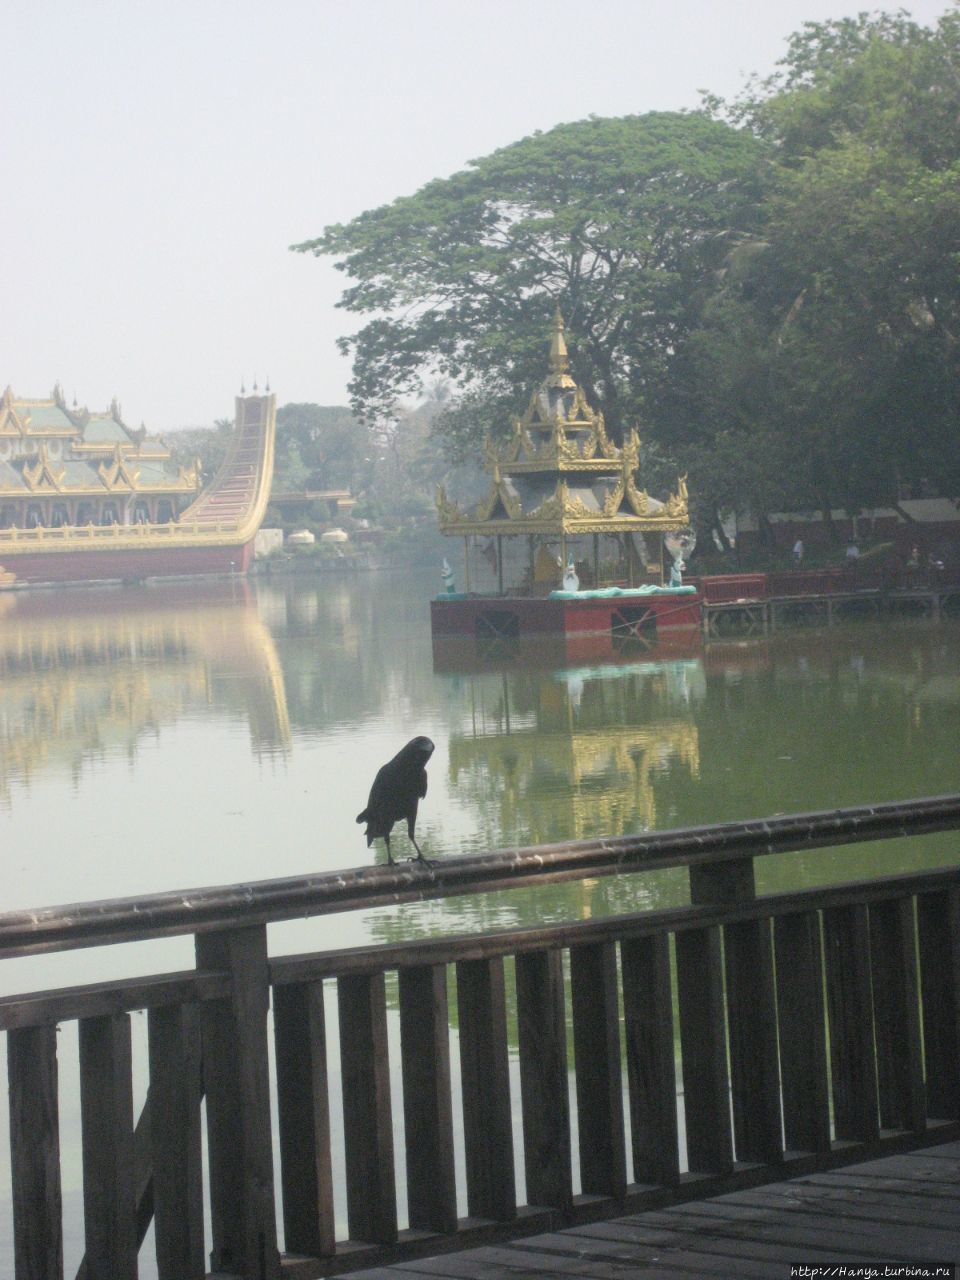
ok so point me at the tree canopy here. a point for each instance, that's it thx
(611, 218)
(768, 288)
(838, 332)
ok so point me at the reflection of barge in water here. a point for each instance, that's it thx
(100, 670)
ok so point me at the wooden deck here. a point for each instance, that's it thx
(898, 1212)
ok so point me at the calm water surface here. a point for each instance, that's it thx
(194, 734)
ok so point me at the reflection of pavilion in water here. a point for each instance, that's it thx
(97, 673)
(576, 753)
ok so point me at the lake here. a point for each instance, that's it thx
(186, 734)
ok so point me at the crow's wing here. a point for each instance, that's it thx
(422, 789)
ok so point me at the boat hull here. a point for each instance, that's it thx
(99, 564)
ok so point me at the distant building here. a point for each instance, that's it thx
(83, 497)
(66, 467)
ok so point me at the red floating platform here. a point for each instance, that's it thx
(567, 629)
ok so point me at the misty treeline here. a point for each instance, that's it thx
(393, 465)
(767, 288)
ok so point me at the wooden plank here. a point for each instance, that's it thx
(95, 999)
(850, 1009)
(905, 1187)
(35, 1154)
(485, 1077)
(752, 1023)
(427, 1104)
(681, 1255)
(802, 1024)
(596, 1048)
(367, 1112)
(106, 1116)
(543, 1079)
(176, 1157)
(523, 1261)
(303, 1113)
(651, 1065)
(703, 1050)
(896, 1009)
(847, 1202)
(237, 1085)
(938, 920)
(733, 881)
(692, 1235)
(791, 1230)
(485, 946)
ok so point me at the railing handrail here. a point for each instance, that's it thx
(38, 1008)
(62, 928)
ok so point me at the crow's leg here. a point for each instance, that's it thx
(419, 857)
(390, 857)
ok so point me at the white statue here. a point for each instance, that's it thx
(570, 580)
(446, 577)
(680, 545)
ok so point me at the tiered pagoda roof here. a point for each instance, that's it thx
(559, 473)
(48, 450)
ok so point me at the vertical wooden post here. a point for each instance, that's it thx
(427, 1104)
(106, 1118)
(35, 1153)
(484, 1067)
(236, 1082)
(596, 561)
(751, 1010)
(367, 1115)
(596, 1047)
(703, 1047)
(752, 1023)
(803, 1036)
(303, 1108)
(651, 1068)
(896, 1005)
(175, 1144)
(543, 1079)
(500, 563)
(852, 1054)
(938, 916)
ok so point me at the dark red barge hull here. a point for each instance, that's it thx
(126, 564)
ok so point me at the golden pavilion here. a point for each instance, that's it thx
(558, 477)
(63, 466)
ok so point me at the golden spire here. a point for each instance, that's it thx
(559, 359)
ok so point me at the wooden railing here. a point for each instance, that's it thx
(816, 1028)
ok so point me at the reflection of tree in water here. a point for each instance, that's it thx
(350, 650)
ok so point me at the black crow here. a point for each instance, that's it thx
(396, 792)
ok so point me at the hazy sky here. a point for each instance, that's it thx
(160, 156)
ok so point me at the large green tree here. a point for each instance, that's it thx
(618, 220)
(322, 447)
(830, 347)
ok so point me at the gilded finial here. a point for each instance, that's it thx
(559, 358)
(243, 389)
